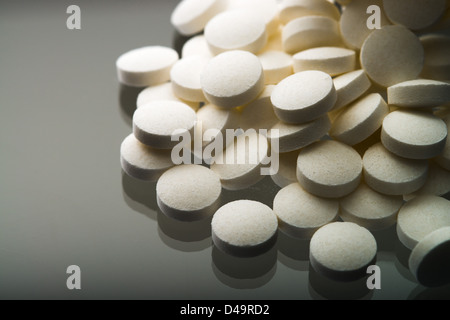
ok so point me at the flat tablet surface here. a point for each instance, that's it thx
(391, 55)
(189, 192)
(236, 30)
(390, 174)
(420, 93)
(300, 213)
(161, 92)
(350, 86)
(421, 216)
(438, 183)
(146, 66)
(291, 9)
(142, 162)
(156, 122)
(232, 79)
(353, 22)
(360, 119)
(191, 16)
(239, 165)
(342, 250)
(329, 169)
(331, 60)
(309, 32)
(414, 134)
(290, 137)
(244, 228)
(370, 209)
(414, 15)
(259, 113)
(303, 96)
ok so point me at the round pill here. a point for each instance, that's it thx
(267, 9)
(437, 56)
(300, 213)
(161, 92)
(185, 77)
(287, 169)
(444, 158)
(360, 120)
(438, 183)
(421, 216)
(349, 87)
(309, 32)
(390, 174)
(196, 46)
(415, 15)
(419, 93)
(188, 192)
(370, 209)
(429, 261)
(259, 113)
(236, 30)
(329, 169)
(354, 19)
(414, 134)
(155, 123)
(391, 55)
(277, 65)
(244, 228)
(304, 96)
(292, 9)
(232, 79)
(239, 165)
(146, 66)
(342, 251)
(142, 162)
(331, 60)
(211, 118)
(191, 16)
(290, 137)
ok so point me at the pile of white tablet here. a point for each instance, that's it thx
(359, 94)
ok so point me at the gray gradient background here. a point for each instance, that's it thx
(64, 199)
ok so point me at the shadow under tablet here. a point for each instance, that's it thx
(244, 273)
(127, 102)
(321, 287)
(140, 195)
(294, 253)
(184, 236)
(264, 191)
